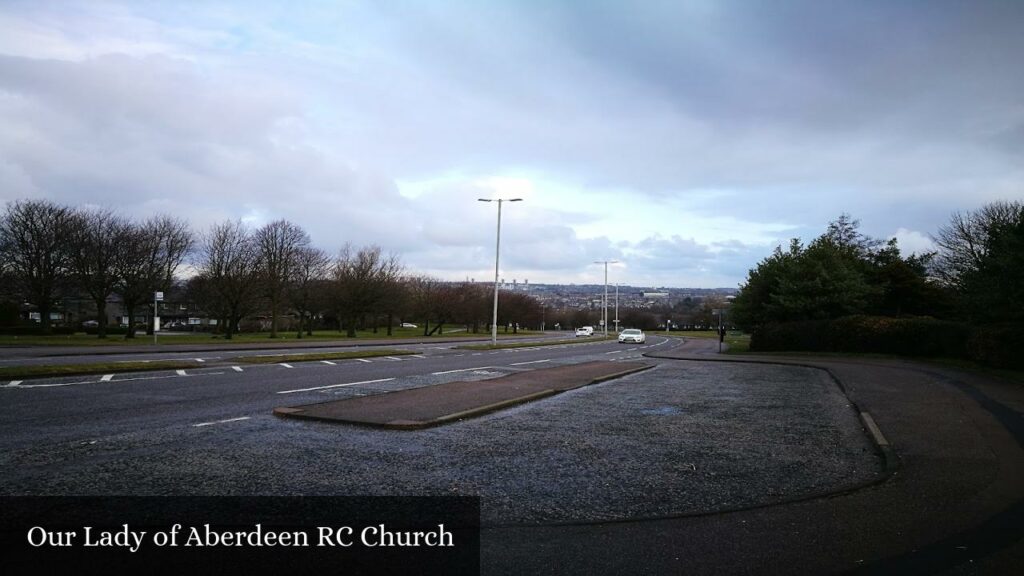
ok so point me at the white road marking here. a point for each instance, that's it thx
(461, 370)
(121, 381)
(14, 382)
(106, 378)
(328, 362)
(364, 360)
(181, 373)
(531, 362)
(418, 356)
(220, 421)
(335, 386)
(393, 358)
(236, 368)
(200, 360)
(615, 352)
(287, 365)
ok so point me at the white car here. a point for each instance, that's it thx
(585, 331)
(632, 335)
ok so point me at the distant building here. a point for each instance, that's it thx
(654, 294)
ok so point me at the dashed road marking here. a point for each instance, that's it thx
(220, 421)
(286, 365)
(335, 386)
(200, 360)
(106, 378)
(364, 360)
(181, 373)
(328, 362)
(393, 358)
(14, 383)
(531, 362)
(460, 370)
(236, 368)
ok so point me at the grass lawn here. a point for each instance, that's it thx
(17, 372)
(739, 343)
(532, 344)
(177, 338)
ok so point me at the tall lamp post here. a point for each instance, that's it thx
(604, 312)
(497, 255)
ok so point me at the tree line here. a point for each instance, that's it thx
(49, 251)
(976, 274)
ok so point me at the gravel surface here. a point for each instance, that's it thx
(686, 437)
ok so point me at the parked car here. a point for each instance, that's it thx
(90, 324)
(585, 331)
(632, 335)
(408, 325)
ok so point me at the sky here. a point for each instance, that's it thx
(685, 139)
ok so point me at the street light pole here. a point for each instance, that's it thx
(616, 307)
(497, 255)
(604, 311)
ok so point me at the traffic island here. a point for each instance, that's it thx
(444, 403)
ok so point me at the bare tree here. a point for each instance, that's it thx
(279, 244)
(305, 287)
(148, 258)
(963, 243)
(35, 242)
(361, 279)
(99, 237)
(229, 272)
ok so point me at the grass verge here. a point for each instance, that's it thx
(738, 342)
(278, 358)
(531, 344)
(185, 338)
(16, 372)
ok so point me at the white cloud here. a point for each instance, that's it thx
(685, 139)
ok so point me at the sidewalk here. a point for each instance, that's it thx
(955, 504)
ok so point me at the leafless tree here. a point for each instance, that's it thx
(963, 242)
(35, 242)
(229, 273)
(305, 287)
(148, 258)
(279, 244)
(99, 237)
(361, 279)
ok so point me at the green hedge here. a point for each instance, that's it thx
(994, 345)
(873, 334)
(997, 345)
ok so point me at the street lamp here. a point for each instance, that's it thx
(604, 311)
(497, 255)
(616, 307)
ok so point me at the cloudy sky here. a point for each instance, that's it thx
(684, 138)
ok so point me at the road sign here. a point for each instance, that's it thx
(158, 296)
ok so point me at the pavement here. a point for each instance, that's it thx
(954, 505)
(452, 401)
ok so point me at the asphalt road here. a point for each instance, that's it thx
(622, 476)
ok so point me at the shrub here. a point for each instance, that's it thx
(997, 345)
(872, 334)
